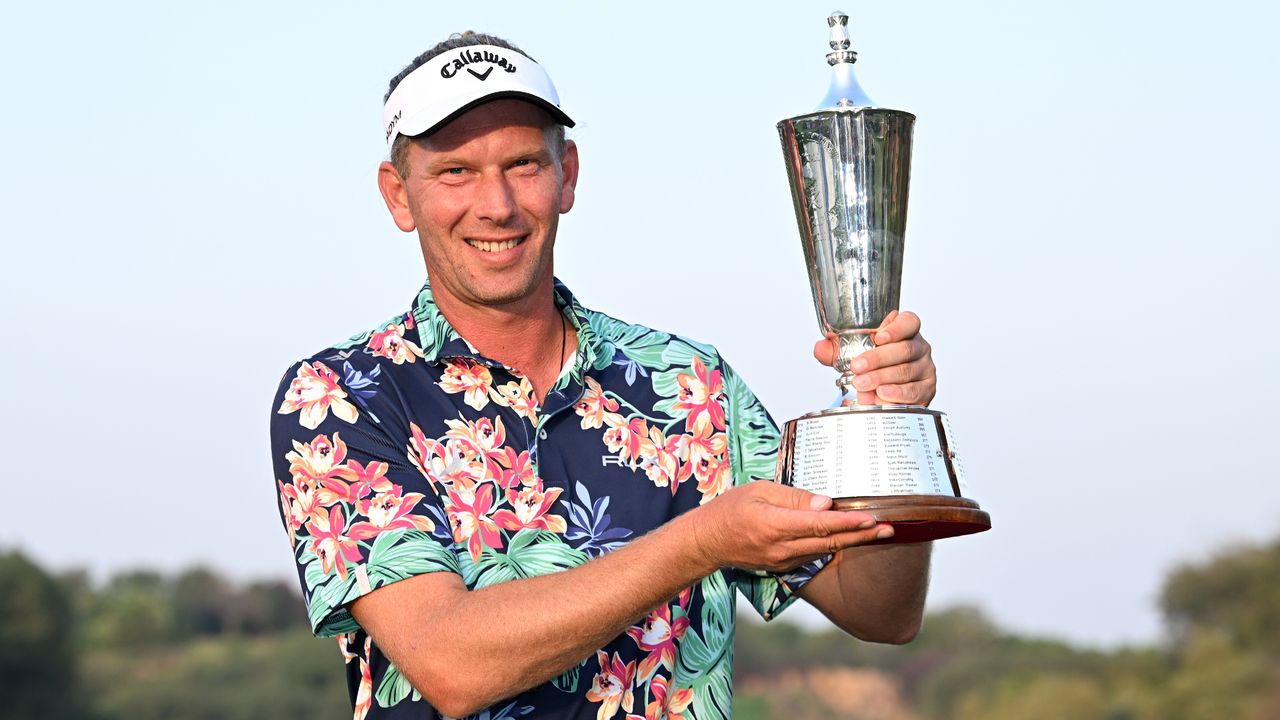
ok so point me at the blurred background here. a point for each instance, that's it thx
(189, 206)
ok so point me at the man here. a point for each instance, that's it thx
(508, 505)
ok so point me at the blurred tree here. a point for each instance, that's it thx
(270, 606)
(1043, 697)
(37, 661)
(202, 604)
(1236, 593)
(134, 610)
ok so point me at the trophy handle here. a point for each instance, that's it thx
(849, 345)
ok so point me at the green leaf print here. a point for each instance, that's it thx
(567, 681)
(753, 445)
(705, 660)
(394, 688)
(400, 554)
(680, 352)
(433, 329)
(640, 344)
(530, 553)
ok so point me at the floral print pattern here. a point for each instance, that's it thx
(423, 456)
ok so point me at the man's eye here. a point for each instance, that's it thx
(522, 162)
(454, 171)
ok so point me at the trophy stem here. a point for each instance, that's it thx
(850, 344)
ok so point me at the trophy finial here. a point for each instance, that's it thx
(844, 91)
(840, 52)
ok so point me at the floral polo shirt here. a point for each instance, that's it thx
(402, 451)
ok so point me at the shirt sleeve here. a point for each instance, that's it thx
(753, 450)
(357, 511)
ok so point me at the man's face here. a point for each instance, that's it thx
(485, 194)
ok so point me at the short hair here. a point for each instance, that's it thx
(400, 147)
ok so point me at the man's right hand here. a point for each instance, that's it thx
(767, 526)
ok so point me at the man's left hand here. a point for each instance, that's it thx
(899, 370)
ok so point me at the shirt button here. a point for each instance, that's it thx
(543, 434)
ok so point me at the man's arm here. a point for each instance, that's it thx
(465, 650)
(878, 593)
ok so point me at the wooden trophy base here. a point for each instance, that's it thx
(897, 463)
(920, 518)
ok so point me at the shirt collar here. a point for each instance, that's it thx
(439, 340)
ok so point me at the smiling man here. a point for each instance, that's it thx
(507, 505)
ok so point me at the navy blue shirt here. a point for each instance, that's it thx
(402, 451)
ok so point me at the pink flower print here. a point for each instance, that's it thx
(421, 450)
(365, 480)
(705, 448)
(364, 694)
(518, 397)
(392, 344)
(318, 459)
(469, 377)
(469, 516)
(315, 391)
(456, 464)
(666, 704)
(593, 405)
(701, 393)
(531, 506)
(612, 685)
(628, 439)
(484, 435)
(664, 462)
(291, 512)
(517, 469)
(716, 480)
(344, 645)
(304, 503)
(390, 511)
(329, 544)
(657, 634)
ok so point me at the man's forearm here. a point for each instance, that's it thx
(465, 650)
(475, 648)
(874, 593)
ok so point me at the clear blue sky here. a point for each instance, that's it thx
(188, 206)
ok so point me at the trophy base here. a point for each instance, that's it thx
(897, 463)
(920, 518)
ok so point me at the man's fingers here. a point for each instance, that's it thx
(892, 354)
(824, 351)
(897, 326)
(921, 370)
(917, 393)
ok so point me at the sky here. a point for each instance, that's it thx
(188, 204)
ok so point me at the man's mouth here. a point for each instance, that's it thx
(495, 246)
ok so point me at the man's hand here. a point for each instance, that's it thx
(899, 370)
(767, 526)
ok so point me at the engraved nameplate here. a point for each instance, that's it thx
(858, 454)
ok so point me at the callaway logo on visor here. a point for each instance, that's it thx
(439, 91)
(467, 57)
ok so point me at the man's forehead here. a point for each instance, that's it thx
(486, 118)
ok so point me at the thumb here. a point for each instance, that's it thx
(792, 497)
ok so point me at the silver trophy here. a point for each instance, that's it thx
(849, 164)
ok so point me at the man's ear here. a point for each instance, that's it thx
(569, 168)
(396, 195)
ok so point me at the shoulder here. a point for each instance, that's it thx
(650, 347)
(349, 371)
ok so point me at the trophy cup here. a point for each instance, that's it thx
(849, 165)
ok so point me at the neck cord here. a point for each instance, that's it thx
(564, 332)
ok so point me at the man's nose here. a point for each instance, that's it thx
(495, 199)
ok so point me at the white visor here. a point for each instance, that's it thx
(453, 82)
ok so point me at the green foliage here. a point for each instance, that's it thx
(196, 646)
(1236, 593)
(37, 661)
(290, 675)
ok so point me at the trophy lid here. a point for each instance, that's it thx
(844, 92)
